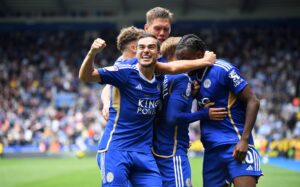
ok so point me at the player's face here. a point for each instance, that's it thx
(159, 27)
(147, 51)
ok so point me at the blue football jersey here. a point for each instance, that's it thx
(134, 102)
(221, 83)
(120, 60)
(171, 137)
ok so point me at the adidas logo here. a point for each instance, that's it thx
(249, 168)
(139, 87)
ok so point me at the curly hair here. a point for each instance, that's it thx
(192, 42)
(127, 35)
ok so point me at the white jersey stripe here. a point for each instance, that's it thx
(225, 68)
(175, 172)
(180, 171)
(258, 161)
(102, 165)
(255, 159)
(224, 64)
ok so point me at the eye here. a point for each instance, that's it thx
(152, 46)
(166, 29)
(141, 47)
(157, 28)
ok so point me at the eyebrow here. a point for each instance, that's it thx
(147, 45)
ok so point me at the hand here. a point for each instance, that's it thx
(195, 88)
(97, 46)
(105, 113)
(240, 150)
(217, 113)
(210, 57)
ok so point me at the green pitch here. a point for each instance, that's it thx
(72, 172)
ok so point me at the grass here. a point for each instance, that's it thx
(72, 172)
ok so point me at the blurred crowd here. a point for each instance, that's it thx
(43, 104)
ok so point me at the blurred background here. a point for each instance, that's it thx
(45, 111)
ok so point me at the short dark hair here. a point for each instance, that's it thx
(158, 12)
(127, 35)
(146, 35)
(191, 42)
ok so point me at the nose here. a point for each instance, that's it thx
(146, 49)
(162, 32)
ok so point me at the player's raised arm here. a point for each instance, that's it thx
(88, 72)
(105, 98)
(182, 66)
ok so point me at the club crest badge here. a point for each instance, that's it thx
(188, 182)
(109, 177)
(207, 83)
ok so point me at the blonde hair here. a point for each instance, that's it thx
(127, 35)
(168, 48)
(158, 12)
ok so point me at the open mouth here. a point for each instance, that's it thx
(146, 57)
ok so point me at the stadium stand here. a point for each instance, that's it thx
(46, 108)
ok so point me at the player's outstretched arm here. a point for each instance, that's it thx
(182, 66)
(202, 114)
(175, 114)
(88, 72)
(105, 98)
(252, 106)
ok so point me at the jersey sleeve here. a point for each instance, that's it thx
(113, 75)
(235, 82)
(129, 61)
(179, 106)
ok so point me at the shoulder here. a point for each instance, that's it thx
(126, 66)
(130, 61)
(179, 77)
(222, 65)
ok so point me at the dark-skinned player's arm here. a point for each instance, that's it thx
(176, 111)
(252, 106)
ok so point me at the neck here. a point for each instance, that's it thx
(201, 72)
(128, 54)
(148, 72)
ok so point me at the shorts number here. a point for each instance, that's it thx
(249, 157)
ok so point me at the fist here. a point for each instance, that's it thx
(97, 46)
(210, 56)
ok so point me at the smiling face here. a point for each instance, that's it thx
(147, 51)
(159, 27)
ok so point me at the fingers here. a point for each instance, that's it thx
(239, 156)
(211, 56)
(98, 45)
(196, 88)
(217, 113)
(209, 104)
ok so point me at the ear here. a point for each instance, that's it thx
(133, 47)
(200, 54)
(146, 26)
